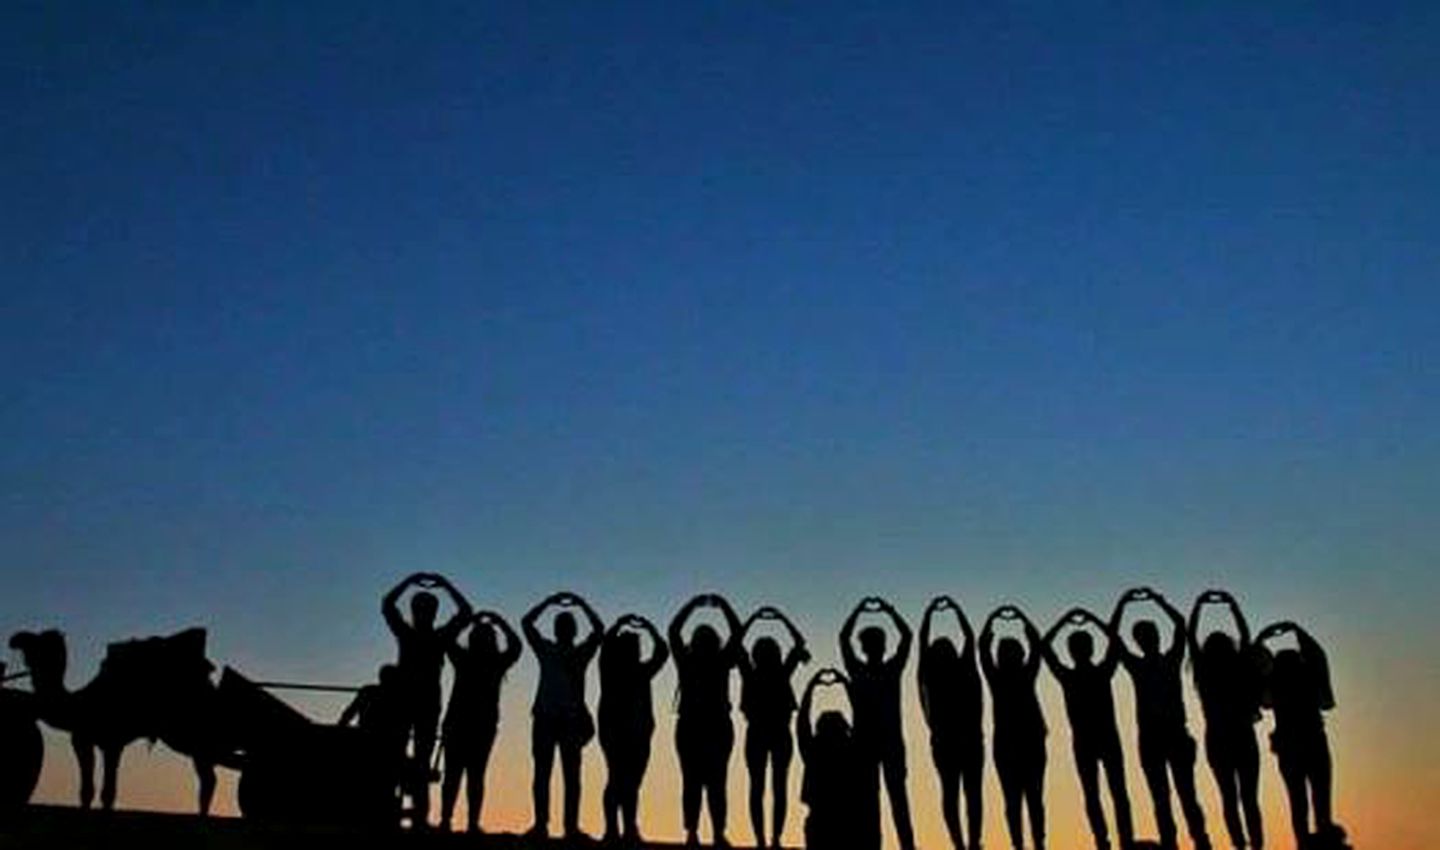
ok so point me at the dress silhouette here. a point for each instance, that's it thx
(473, 715)
(839, 787)
(704, 732)
(1227, 678)
(1166, 748)
(422, 655)
(768, 702)
(560, 719)
(627, 719)
(1019, 723)
(875, 689)
(1299, 693)
(953, 703)
(1090, 706)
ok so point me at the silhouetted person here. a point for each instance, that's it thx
(1090, 705)
(1227, 678)
(422, 655)
(627, 719)
(839, 784)
(560, 719)
(381, 712)
(954, 703)
(1019, 724)
(474, 712)
(1298, 687)
(875, 689)
(768, 701)
(704, 732)
(1166, 748)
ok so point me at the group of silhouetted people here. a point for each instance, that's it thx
(847, 760)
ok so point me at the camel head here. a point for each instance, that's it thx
(45, 657)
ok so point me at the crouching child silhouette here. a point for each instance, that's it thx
(839, 784)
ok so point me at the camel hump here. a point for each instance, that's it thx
(174, 659)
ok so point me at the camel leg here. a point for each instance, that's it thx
(110, 765)
(205, 772)
(85, 759)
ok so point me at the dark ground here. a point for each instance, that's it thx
(65, 828)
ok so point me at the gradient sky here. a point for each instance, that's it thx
(799, 301)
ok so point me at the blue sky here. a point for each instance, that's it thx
(649, 298)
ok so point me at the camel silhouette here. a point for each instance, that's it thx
(157, 688)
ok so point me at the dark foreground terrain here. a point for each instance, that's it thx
(65, 828)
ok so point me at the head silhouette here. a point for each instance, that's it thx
(1147, 636)
(872, 644)
(1219, 646)
(423, 608)
(483, 641)
(565, 628)
(1082, 647)
(44, 654)
(705, 641)
(942, 651)
(766, 653)
(1010, 654)
(389, 676)
(625, 648)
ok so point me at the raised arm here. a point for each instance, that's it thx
(463, 610)
(1117, 621)
(965, 629)
(804, 733)
(1111, 659)
(734, 649)
(390, 605)
(591, 643)
(935, 605)
(1319, 665)
(987, 644)
(1032, 636)
(511, 653)
(661, 652)
(1241, 625)
(676, 632)
(1180, 637)
(799, 651)
(907, 637)
(847, 637)
(529, 623)
(1193, 632)
(1046, 646)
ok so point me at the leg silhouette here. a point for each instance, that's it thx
(1113, 761)
(1088, 768)
(543, 751)
(974, 777)
(780, 786)
(950, 803)
(570, 754)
